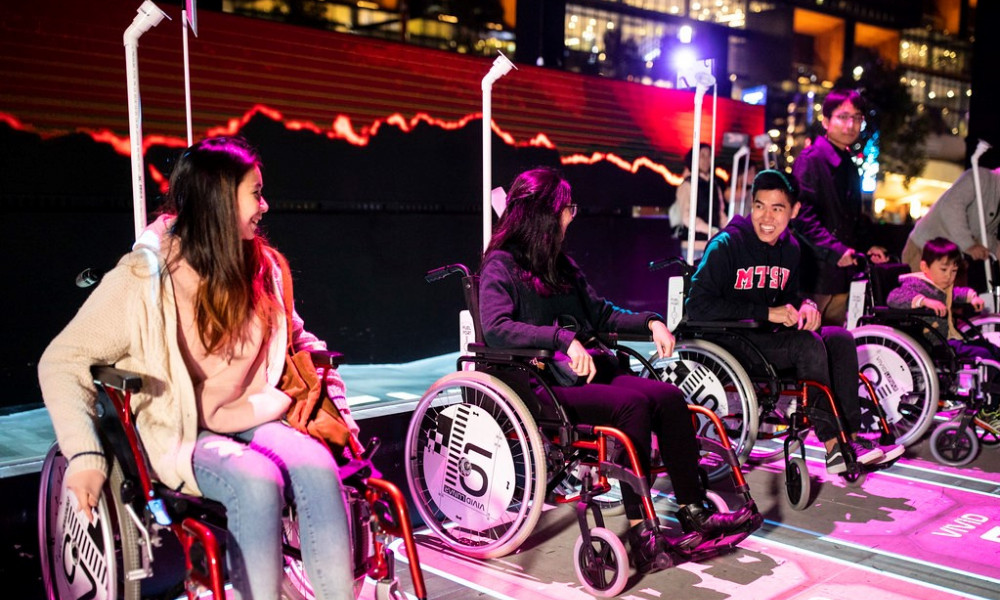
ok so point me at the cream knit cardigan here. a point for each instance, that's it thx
(130, 321)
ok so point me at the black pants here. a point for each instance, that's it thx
(640, 407)
(828, 356)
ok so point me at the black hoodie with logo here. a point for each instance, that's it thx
(741, 277)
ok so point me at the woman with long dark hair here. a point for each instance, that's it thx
(529, 287)
(196, 308)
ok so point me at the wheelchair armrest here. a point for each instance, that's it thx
(486, 351)
(611, 340)
(887, 312)
(327, 358)
(717, 325)
(115, 378)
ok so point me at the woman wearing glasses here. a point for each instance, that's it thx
(529, 291)
(830, 223)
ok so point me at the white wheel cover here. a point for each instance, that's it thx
(889, 375)
(700, 385)
(84, 566)
(468, 467)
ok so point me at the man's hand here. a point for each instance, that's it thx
(878, 255)
(809, 317)
(783, 315)
(662, 337)
(847, 259)
(581, 361)
(86, 485)
(978, 252)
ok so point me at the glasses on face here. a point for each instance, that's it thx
(572, 208)
(849, 118)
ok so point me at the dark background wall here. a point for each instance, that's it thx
(372, 167)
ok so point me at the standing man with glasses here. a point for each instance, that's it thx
(830, 225)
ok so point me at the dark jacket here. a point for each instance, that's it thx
(913, 285)
(741, 277)
(829, 221)
(514, 315)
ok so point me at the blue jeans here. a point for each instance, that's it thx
(251, 474)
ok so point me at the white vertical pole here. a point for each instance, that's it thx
(702, 83)
(711, 162)
(984, 239)
(187, 76)
(743, 151)
(149, 15)
(501, 66)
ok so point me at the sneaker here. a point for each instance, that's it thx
(889, 453)
(866, 451)
(991, 416)
(835, 461)
(696, 517)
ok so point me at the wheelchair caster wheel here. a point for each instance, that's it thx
(954, 445)
(602, 565)
(797, 483)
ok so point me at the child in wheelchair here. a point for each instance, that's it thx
(933, 288)
(197, 309)
(750, 271)
(528, 286)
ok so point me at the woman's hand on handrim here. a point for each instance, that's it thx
(662, 337)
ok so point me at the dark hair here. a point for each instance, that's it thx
(839, 96)
(941, 248)
(235, 273)
(531, 229)
(690, 153)
(772, 179)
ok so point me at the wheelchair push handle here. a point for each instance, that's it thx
(663, 263)
(441, 272)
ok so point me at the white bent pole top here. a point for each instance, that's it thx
(501, 66)
(149, 16)
(702, 82)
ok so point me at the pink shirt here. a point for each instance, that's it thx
(231, 390)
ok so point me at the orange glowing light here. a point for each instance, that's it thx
(631, 167)
(343, 129)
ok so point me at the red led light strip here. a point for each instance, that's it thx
(343, 129)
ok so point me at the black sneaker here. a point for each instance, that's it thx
(865, 451)
(835, 461)
(889, 453)
(698, 518)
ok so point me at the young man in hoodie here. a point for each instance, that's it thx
(751, 271)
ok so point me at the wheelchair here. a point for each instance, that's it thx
(150, 541)
(763, 409)
(957, 441)
(489, 444)
(909, 362)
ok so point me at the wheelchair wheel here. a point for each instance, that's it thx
(80, 560)
(954, 445)
(602, 567)
(475, 464)
(797, 483)
(904, 378)
(989, 325)
(710, 376)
